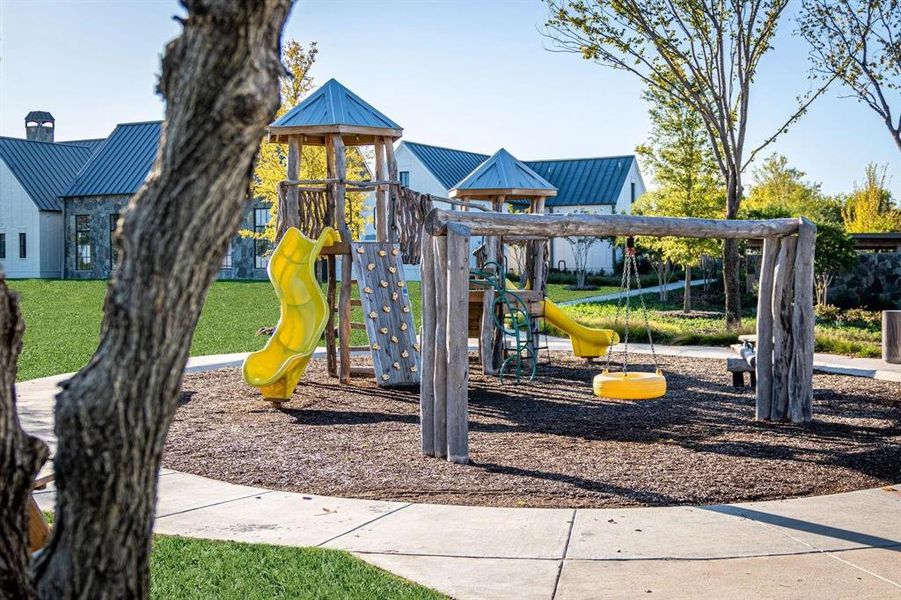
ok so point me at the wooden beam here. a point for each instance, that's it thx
(457, 344)
(427, 347)
(800, 399)
(344, 308)
(393, 193)
(440, 341)
(381, 207)
(331, 340)
(765, 329)
(783, 291)
(560, 225)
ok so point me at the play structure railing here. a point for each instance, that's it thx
(785, 316)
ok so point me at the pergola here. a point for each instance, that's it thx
(785, 316)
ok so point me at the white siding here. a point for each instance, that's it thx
(19, 214)
(421, 179)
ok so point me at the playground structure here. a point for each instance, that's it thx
(785, 316)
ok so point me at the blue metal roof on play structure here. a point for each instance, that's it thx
(44, 169)
(578, 180)
(504, 172)
(334, 104)
(121, 164)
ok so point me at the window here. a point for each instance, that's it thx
(227, 259)
(83, 256)
(2, 245)
(405, 178)
(22, 246)
(632, 191)
(260, 246)
(113, 243)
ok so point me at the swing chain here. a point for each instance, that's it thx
(630, 266)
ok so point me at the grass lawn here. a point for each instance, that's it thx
(188, 568)
(672, 328)
(63, 320)
(558, 292)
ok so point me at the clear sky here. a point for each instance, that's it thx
(465, 74)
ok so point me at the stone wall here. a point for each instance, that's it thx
(100, 209)
(875, 283)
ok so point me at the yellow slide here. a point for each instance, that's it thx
(587, 342)
(278, 367)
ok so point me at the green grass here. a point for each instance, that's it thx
(672, 328)
(188, 568)
(558, 292)
(185, 568)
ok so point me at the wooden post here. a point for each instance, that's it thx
(331, 347)
(538, 272)
(393, 192)
(800, 400)
(427, 345)
(491, 340)
(458, 344)
(891, 336)
(440, 343)
(381, 208)
(765, 329)
(346, 263)
(783, 290)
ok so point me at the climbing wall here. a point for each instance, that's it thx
(387, 313)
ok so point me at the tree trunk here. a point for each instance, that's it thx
(220, 80)
(21, 457)
(686, 296)
(731, 283)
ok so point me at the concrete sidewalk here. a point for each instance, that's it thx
(845, 545)
(676, 285)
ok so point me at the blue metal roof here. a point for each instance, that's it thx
(579, 181)
(44, 169)
(121, 164)
(334, 104)
(504, 172)
(449, 166)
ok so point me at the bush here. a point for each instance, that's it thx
(827, 313)
(861, 317)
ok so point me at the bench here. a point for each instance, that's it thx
(745, 362)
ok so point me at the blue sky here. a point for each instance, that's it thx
(466, 74)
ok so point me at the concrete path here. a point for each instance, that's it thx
(845, 545)
(676, 285)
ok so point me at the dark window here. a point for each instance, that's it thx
(260, 245)
(22, 246)
(405, 178)
(2, 245)
(632, 190)
(227, 259)
(113, 243)
(83, 258)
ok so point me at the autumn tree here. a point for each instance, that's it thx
(679, 157)
(870, 208)
(858, 42)
(703, 54)
(272, 161)
(219, 79)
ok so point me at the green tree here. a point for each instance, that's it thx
(679, 157)
(834, 254)
(784, 190)
(870, 208)
(858, 42)
(704, 54)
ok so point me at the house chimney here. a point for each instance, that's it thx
(39, 126)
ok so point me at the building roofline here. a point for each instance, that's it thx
(525, 160)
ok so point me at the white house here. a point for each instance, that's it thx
(33, 173)
(603, 185)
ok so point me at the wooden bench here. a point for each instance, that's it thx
(745, 362)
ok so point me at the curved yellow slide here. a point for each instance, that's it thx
(278, 367)
(587, 342)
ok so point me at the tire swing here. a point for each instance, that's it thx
(630, 385)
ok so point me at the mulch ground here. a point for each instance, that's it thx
(546, 443)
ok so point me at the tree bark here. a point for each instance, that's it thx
(220, 81)
(731, 283)
(21, 457)
(686, 295)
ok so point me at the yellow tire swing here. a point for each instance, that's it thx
(629, 385)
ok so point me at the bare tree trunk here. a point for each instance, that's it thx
(21, 457)
(220, 80)
(731, 283)
(686, 296)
